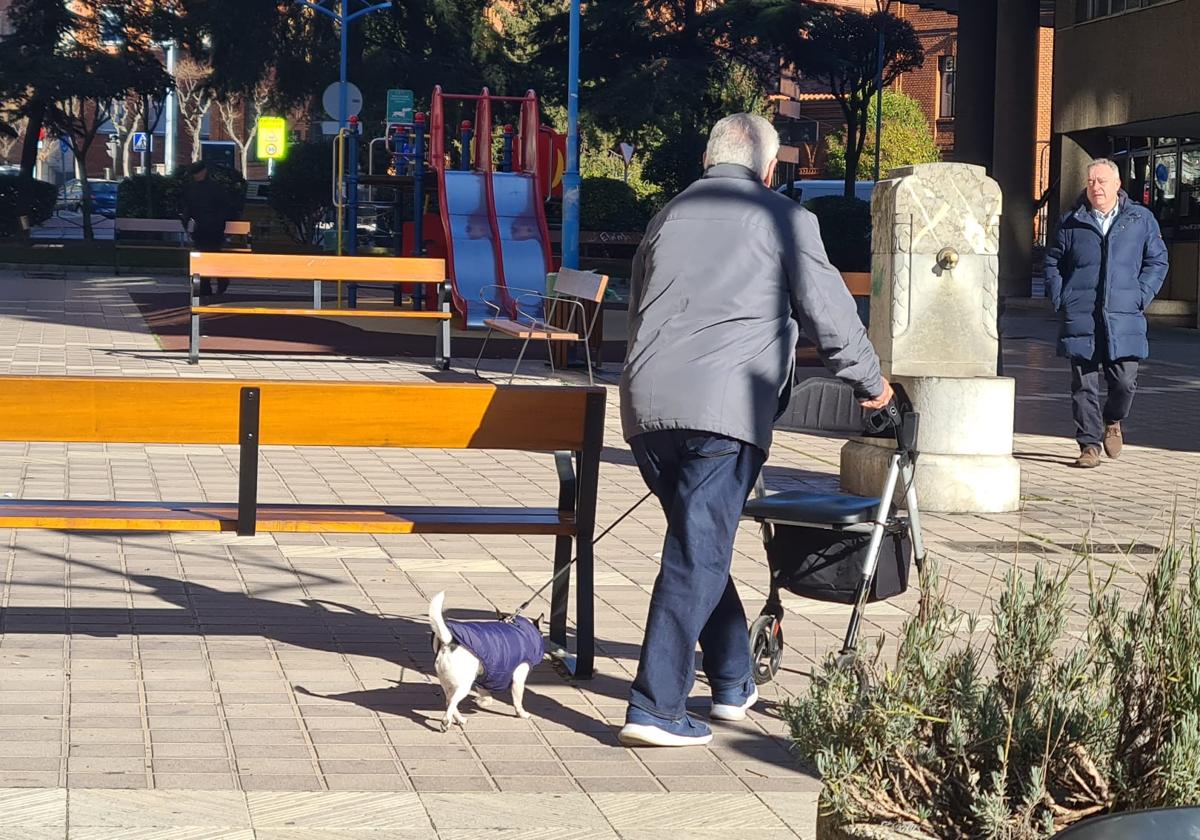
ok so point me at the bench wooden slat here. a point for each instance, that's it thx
(519, 330)
(306, 267)
(235, 228)
(858, 282)
(323, 313)
(205, 411)
(210, 516)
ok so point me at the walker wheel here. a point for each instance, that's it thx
(766, 645)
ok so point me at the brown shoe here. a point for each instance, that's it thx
(1089, 458)
(1113, 440)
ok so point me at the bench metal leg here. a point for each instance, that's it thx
(560, 592)
(517, 366)
(479, 358)
(248, 463)
(194, 337)
(316, 294)
(443, 359)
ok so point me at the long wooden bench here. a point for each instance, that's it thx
(566, 421)
(315, 269)
(170, 233)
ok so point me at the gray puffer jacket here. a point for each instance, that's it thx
(719, 282)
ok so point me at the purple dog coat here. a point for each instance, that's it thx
(501, 646)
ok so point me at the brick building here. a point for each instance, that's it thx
(112, 156)
(804, 104)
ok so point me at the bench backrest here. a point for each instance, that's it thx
(180, 411)
(238, 228)
(585, 285)
(318, 267)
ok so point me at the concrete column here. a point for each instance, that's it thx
(1014, 136)
(975, 112)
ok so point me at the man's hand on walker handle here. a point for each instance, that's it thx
(880, 401)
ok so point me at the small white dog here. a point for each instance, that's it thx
(491, 655)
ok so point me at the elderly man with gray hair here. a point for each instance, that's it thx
(1107, 263)
(726, 274)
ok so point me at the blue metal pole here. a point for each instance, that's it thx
(352, 186)
(343, 91)
(571, 179)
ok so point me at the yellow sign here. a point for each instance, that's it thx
(272, 138)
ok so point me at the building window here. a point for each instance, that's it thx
(947, 73)
(1086, 10)
(1189, 184)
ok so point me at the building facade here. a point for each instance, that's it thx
(1127, 86)
(805, 106)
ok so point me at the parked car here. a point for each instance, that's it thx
(806, 190)
(9, 169)
(104, 197)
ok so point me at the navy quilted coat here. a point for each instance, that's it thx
(1101, 285)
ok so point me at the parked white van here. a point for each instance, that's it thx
(806, 189)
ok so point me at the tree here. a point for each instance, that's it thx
(33, 74)
(239, 115)
(194, 97)
(841, 49)
(10, 133)
(660, 73)
(907, 139)
(106, 65)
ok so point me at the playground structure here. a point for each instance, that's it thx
(490, 225)
(497, 242)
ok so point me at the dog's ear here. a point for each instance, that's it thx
(501, 615)
(537, 622)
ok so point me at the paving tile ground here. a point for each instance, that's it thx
(198, 686)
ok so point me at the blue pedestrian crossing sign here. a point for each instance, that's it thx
(141, 141)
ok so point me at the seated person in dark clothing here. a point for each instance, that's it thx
(206, 203)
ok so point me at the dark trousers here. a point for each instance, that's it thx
(210, 240)
(1121, 379)
(702, 481)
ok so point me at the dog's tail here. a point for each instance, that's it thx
(435, 619)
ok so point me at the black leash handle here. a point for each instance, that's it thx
(567, 567)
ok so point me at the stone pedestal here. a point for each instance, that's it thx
(965, 441)
(934, 262)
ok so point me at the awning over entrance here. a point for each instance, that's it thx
(951, 6)
(1179, 126)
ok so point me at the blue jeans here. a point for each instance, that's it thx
(702, 481)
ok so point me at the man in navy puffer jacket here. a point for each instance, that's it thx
(1106, 265)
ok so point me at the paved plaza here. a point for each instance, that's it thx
(279, 686)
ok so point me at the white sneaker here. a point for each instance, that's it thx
(643, 730)
(728, 711)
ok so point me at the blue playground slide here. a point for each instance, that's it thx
(473, 243)
(521, 245)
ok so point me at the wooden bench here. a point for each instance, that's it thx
(566, 421)
(571, 289)
(171, 234)
(315, 269)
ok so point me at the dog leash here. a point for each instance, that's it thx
(567, 567)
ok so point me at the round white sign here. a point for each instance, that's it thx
(354, 100)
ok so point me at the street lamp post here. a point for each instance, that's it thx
(344, 18)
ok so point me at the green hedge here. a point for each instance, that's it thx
(609, 204)
(160, 196)
(845, 230)
(45, 195)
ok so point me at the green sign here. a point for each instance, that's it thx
(399, 107)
